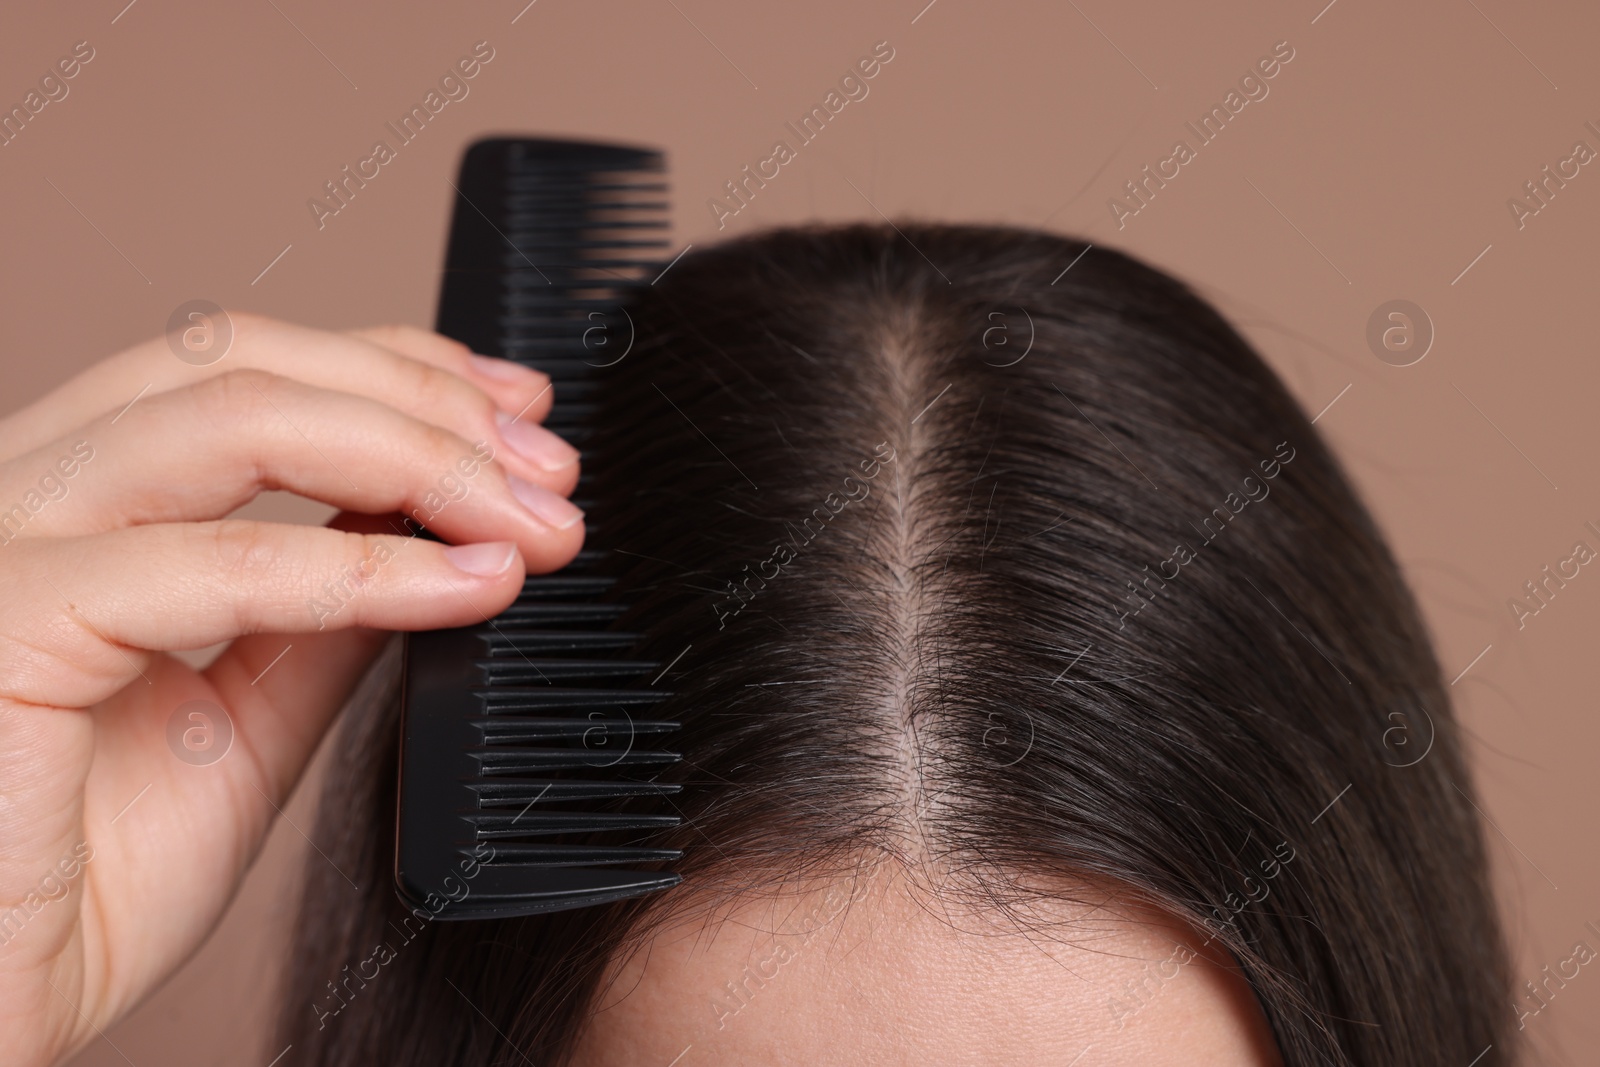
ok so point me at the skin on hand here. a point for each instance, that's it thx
(120, 854)
(882, 972)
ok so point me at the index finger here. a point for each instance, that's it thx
(371, 362)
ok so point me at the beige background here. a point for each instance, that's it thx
(1378, 168)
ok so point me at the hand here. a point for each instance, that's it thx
(122, 843)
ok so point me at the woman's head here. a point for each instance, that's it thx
(1025, 625)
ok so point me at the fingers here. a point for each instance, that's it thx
(102, 565)
(440, 351)
(80, 610)
(197, 454)
(282, 690)
(424, 374)
(518, 415)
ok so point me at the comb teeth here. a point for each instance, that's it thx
(511, 642)
(524, 791)
(559, 670)
(551, 238)
(494, 824)
(515, 729)
(518, 731)
(534, 613)
(551, 699)
(579, 856)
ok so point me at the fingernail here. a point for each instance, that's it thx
(485, 559)
(501, 370)
(535, 443)
(551, 508)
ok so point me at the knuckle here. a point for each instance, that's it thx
(442, 446)
(385, 334)
(406, 337)
(457, 400)
(429, 386)
(238, 399)
(240, 547)
(365, 552)
(360, 556)
(244, 387)
(424, 383)
(484, 410)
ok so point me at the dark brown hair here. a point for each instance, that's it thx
(986, 565)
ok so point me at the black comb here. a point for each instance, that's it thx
(517, 731)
